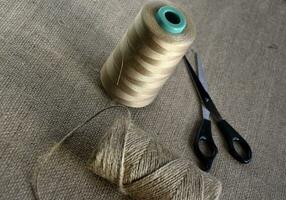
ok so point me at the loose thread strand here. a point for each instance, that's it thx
(46, 157)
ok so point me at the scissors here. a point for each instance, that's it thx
(204, 134)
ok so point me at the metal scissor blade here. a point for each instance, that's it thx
(205, 97)
(202, 78)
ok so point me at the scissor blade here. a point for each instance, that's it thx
(202, 78)
(205, 97)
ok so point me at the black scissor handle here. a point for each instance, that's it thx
(231, 136)
(204, 135)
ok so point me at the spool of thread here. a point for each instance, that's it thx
(147, 54)
(144, 169)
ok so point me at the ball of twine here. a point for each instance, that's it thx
(144, 169)
(145, 57)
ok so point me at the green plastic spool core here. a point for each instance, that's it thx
(171, 19)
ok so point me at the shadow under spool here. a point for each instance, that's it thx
(147, 54)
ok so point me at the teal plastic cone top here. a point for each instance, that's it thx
(171, 19)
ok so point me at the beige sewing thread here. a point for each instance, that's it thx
(145, 58)
(145, 170)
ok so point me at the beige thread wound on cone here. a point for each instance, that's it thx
(145, 170)
(145, 58)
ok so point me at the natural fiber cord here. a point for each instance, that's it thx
(141, 167)
(144, 169)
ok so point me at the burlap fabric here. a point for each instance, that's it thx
(50, 56)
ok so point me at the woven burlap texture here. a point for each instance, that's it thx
(50, 57)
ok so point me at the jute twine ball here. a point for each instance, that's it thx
(144, 169)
